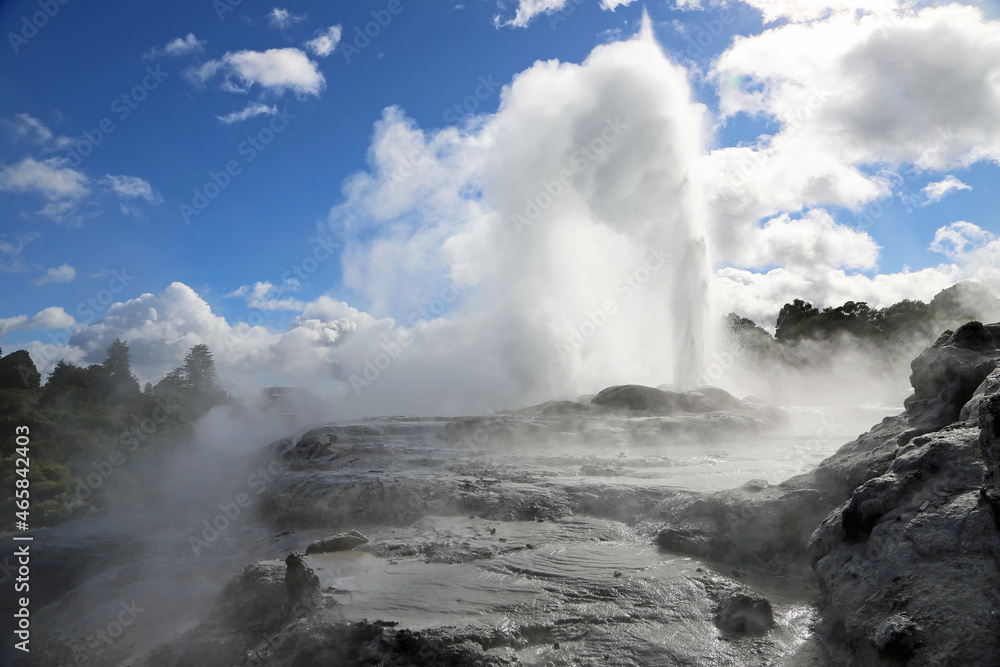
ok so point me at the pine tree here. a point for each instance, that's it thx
(200, 374)
(118, 366)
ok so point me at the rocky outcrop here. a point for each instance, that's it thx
(258, 621)
(338, 542)
(906, 545)
(300, 580)
(744, 611)
(662, 401)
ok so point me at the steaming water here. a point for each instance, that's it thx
(548, 540)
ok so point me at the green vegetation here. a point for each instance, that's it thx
(96, 438)
(807, 336)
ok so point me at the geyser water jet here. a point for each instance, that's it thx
(573, 220)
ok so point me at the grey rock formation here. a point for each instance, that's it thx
(906, 544)
(300, 580)
(744, 611)
(339, 542)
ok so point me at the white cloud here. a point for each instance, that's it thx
(251, 111)
(275, 70)
(52, 179)
(64, 273)
(527, 10)
(958, 238)
(919, 87)
(938, 190)
(815, 241)
(263, 295)
(613, 4)
(282, 18)
(11, 259)
(181, 46)
(855, 97)
(132, 187)
(49, 318)
(324, 44)
(759, 296)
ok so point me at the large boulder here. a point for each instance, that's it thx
(744, 611)
(338, 542)
(638, 397)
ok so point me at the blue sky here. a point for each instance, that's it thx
(68, 224)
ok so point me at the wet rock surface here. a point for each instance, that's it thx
(900, 526)
(513, 538)
(339, 542)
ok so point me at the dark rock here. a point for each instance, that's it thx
(558, 408)
(339, 542)
(946, 374)
(638, 397)
(896, 637)
(744, 611)
(300, 580)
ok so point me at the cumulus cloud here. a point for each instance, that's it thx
(264, 295)
(958, 238)
(919, 87)
(855, 95)
(815, 241)
(64, 273)
(938, 190)
(131, 187)
(49, 318)
(281, 18)
(528, 10)
(759, 296)
(52, 179)
(324, 43)
(274, 70)
(181, 46)
(251, 111)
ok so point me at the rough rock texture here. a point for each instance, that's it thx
(907, 548)
(254, 623)
(338, 542)
(300, 580)
(744, 611)
(662, 401)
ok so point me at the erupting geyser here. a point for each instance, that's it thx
(572, 219)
